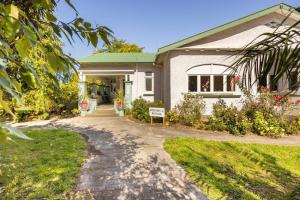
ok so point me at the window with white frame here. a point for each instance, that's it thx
(211, 83)
(211, 78)
(149, 82)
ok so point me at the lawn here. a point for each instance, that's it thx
(230, 170)
(44, 168)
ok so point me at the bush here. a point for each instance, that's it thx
(190, 109)
(172, 116)
(290, 127)
(44, 116)
(228, 118)
(140, 109)
(22, 114)
(267, 124)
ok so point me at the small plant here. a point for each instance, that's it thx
(84, 104)
(120, 99)
(140, 109)
(44, 116)
(205, 85)
(173, 116)
(267, 124)
(228, 118)
(190, 109)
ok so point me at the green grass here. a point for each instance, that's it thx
(229, 170)
(45, 168)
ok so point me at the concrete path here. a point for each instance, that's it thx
(127, 160)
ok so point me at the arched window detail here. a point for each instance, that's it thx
(211, 78)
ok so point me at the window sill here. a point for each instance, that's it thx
(148, 95)
(220, 95)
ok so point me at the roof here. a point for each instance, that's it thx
(120, 58)
(225, 27)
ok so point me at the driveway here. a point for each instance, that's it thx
(127, 161)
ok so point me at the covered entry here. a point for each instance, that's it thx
(102, 75)
(98, 87)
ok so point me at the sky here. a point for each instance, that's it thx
(156, 23)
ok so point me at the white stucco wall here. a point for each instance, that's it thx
(241, 35)
(181, 62)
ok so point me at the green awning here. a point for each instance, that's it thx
(120, 58)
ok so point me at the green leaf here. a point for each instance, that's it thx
(54, 62)
(27, 77)
(11, 27)
(94, 38)
(50, 17)
(23, 45)
(12, 11)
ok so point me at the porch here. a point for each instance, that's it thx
(98, 90)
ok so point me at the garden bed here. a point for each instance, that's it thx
(234, 170)
(46, 167)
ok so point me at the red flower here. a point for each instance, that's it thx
(278, 97)
(298, 101)
(237, 78)
(291, 103)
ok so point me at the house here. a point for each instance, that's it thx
(199, 64)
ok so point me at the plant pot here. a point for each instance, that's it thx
(121, 112)
(83, 106)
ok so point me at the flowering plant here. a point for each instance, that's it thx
(205, 85)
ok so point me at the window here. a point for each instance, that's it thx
(218, 83)
(193, 83)
(211, 83)
(293, 80)
(205, 83)
(230, 83)
(149, 81)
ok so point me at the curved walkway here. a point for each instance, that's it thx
(127, 160)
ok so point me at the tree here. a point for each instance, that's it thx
(25, 24)
(120, 46)
(278, 51)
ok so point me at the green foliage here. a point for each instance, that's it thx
(190, 109)
(276, 52)
(140, 108)
(267, 124)
(172, 116)
(228, 118)
(22, 114)
(231, 170)
(46, 167)
(30, 47)
(120, 46)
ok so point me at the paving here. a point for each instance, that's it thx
(127, 161)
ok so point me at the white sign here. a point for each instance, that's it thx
(156, 112)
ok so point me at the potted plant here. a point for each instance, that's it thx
(205, 86)
(119, 99)
(84, 104)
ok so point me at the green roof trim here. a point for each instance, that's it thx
(226, 26)
(119, 58)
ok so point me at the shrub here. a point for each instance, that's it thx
(267, 124)
(172, 116)
(140, 109)
(190, 109)
(228, 118)
(290, 126)
(44, 116)
(22, 114)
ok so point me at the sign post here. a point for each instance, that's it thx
(157, 112)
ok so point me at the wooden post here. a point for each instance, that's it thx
(151, 120)
(164, 121)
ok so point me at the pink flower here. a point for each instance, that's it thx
(298, 101)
